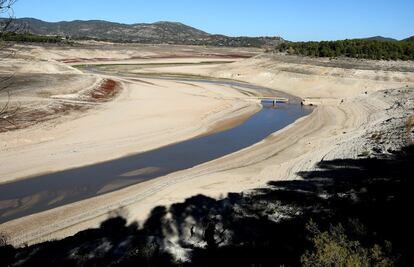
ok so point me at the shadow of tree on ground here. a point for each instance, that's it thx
(370, 197)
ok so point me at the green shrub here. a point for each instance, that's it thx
(334, 248)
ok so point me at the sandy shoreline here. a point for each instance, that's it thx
(344, 112)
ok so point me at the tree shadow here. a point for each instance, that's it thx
(265, 227)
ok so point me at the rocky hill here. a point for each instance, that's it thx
(159, 32)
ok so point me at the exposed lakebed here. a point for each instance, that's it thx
(36, 194)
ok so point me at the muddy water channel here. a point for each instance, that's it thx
(36, 194)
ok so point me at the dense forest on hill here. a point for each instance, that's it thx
(356, 48)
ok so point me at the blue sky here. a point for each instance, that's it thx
(292, 19)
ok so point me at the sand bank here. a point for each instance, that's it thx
(146, 115)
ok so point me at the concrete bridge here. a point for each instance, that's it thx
(275, 99)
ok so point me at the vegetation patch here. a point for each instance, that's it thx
(29, 38)
(356, 48)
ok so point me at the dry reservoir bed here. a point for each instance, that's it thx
(36, 194)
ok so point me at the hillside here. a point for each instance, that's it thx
(409, 39)
(159, 32)
(380, 38)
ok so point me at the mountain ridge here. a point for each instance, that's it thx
(157, 32)
(380, 38)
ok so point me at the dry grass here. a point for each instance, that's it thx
(408, 128)
(377, 136)
(3, 240)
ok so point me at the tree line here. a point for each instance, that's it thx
(356, 48)
(29, 38)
